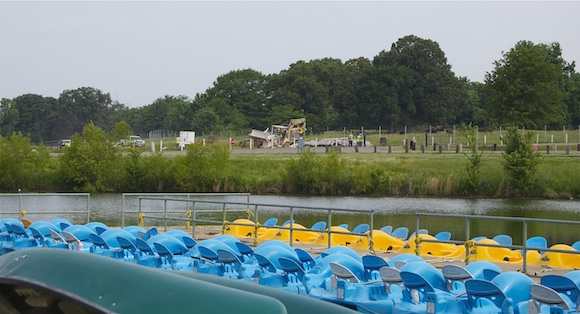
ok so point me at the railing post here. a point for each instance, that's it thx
(256, 240)
(165, 214)
(371, 242)
(88, 208)
(467, 239)
(123, 211)
(291, 226)
(193, 219)
(525, 250)
(329, 225)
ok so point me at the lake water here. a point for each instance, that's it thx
(393, 211)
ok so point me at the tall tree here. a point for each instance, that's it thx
(8, 117)
(78, 107)
(438, 95)
(242, 98)
(311, 86)
(33, 116)
(525, 87)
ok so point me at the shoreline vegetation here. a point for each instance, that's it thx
(92, 165)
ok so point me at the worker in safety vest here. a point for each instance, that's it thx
(359, 140)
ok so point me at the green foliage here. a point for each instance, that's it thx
(121, 130)
(473, 167)
(520, 161)
(22, 167)
(92, 163)
(316, 174)
(156, 173)
(8, 117)
(203, 169)
(525, 88)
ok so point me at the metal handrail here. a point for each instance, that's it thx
(23, 212)
(255, 212)
(522, 247)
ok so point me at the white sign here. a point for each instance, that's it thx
(186, 138)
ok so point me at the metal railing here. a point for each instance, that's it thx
(468, 242)
(251, 209)
(21, 211)
(177, 197)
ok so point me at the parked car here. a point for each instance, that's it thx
(136, 140)
(64, 143)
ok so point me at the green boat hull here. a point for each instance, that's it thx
(75, 282)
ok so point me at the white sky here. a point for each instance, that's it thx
(141, 51)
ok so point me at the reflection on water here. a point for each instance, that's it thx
(387, 211)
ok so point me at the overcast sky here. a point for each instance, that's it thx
(141, 51)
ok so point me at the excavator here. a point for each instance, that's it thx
(279, 135)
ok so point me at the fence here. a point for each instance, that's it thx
(226, 209)
(23, 211)
(469, 242)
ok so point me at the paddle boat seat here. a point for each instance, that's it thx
(537, 243)
(97, 227)
(361, 228)
(183, 236)
(305, 258)
(344, 273)
(421, 231)
(391, 277)
(136, 231)
(145, 254)
(455, 277)
(75, 243)
(387, 229)
(171, 260)
(245, 250)
(400, 233)
(270, 222)
(443, 236)
(576, 245)
(149, 233)
(564, 285)
(371, 266)
(293, 274)
(319, 226)
(542, 295)
(21, 239)
(344, 226)
(61, 223)
(503, 239)
(230, 263)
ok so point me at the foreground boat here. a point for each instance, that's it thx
(65, 281)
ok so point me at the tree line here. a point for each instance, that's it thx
(530, 86)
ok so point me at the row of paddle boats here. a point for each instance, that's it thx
(398, 240)
(405, 283)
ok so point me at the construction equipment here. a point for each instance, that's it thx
(279, 135)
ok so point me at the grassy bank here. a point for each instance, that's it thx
(392, 174)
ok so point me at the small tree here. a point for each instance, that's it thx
(520, 160)
(473, 179)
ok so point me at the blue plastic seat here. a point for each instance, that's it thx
(537, 242)
(183, 236)
(371, 265)
(293, 274)
(305, 258)
(344, 226)
(401, 233)
(443, 236)
(503, 239)
(97, 227)
(320, 225)
(542, 295)
(361, 228)
(576, 245)
(421, 231)
(61, 223)
(387, 229)
(270, 222)
(231, 264)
